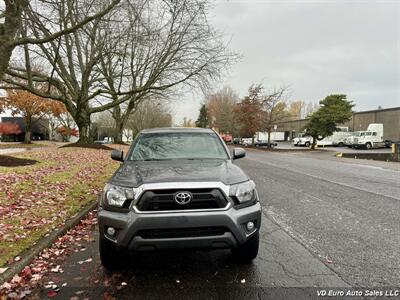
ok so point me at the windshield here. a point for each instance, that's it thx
(357, 133)
(171, 146)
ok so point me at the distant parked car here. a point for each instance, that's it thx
(102, 142)
(247, 141)
(107, 140)
(265, 144)
(236, 141)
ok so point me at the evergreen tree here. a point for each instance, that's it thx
(202, 120)
(334, 109)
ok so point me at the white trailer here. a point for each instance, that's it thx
(336, 139)
(275, 136)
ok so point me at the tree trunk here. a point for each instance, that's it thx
(9, 30)
(5, 55)
(82, 120)
(28, 130)
(314, 142)
(120, 121)
(269, 136)
(119, 128)
(84, 137)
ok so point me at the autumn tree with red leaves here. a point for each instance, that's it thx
(8, 128)
(67, 132)
(249, 114)
(30, 106)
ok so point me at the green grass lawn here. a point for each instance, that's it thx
(22, 145)
(38, 198)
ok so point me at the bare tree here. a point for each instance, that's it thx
(12, 13)
(121, 57)
(310, 108)
(220, 107)
(148, 114)
(296, 110)
(166, 46)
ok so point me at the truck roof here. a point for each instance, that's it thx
(177, 129)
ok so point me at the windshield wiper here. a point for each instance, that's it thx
(204, 158)
(156, 159)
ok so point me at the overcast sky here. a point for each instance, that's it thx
(316, 47)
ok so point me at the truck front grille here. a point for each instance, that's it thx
(164, 200)
(168, 233)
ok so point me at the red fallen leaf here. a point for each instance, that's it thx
(107, 296)
(328, 261)
(26, 272)
(16, 279)
(51, 294)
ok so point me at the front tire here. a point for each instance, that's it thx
(307, 144)
(248, 251)
(368, 146)
(111, 258)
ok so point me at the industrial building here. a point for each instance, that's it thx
(390, 118)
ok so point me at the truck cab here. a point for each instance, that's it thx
(371, 138)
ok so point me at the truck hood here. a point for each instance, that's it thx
(134, 173)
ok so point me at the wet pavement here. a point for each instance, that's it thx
(326, 223)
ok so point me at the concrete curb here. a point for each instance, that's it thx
(392, 157)
(28, 255)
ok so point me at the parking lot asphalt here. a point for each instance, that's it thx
(327, 223)
(346, 211)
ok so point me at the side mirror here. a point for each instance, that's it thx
(238, 153)
(117, 155)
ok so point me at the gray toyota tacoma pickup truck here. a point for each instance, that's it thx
(177, 188)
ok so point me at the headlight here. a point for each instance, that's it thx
(116, 196)
(244, 191)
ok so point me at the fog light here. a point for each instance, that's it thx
(110, 231)
(250, 226)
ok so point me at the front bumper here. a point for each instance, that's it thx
(129, 225)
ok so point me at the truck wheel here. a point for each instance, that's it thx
(341, 144)
(248, 251)
(110, 257)
(307, 144)
(368, 145)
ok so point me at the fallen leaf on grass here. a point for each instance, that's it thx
(51, 294)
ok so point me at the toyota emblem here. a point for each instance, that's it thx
(183, 198)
